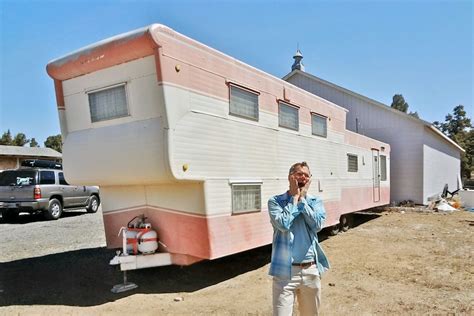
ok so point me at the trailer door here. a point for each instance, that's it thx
(376, 174)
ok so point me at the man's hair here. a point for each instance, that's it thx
(298, 164)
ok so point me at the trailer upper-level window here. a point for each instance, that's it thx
(288, 116)
(246, 198)
(108, 103)
(319, 125)
(383, 168)
(352, 163)
(243, 103)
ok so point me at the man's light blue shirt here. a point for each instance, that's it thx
(283, 214)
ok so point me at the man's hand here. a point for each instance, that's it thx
(305, 189)
(294, 189)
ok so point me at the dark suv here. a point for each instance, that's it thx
(42, 188)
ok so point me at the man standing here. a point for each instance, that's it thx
(297, 258)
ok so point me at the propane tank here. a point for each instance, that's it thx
(138, 236)
(131, 238)
(147, 239)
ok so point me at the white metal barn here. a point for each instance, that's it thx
(197, 141)
(423, 159)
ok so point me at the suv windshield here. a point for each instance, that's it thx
(18, 177)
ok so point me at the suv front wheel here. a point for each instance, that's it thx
(55, 209)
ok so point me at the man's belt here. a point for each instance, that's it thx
(303, 265)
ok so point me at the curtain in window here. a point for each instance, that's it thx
(108, 104)
(246, 198)
(243, 103)
(288, 116)
(352, 165)
(319, 126)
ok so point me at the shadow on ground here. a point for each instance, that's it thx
(84, 277)
(360, 218)
(356, 219)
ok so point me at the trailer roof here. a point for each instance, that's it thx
(134, 45)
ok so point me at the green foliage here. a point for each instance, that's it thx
(54, 142)
(457, 126)
(20, 140)
(6, 138)
(33, 143)
(455, 123)
(398, 103)
(414, 114)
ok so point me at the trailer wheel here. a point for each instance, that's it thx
(55, 209)
(344, 223)
(333, 230)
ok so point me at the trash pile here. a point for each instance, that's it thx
(440, 204)
(444, 202)
(450, 201)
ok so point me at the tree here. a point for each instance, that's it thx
(33, 143)
(414, 114)
(6, 138)
(456, 123)
(457, 126)
(398, 103)
(20, 140)
(54, 142)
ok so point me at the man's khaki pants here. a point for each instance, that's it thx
(305, 285)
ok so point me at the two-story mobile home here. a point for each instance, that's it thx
(198, 141)
(423, 159)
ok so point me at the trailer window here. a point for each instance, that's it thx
(383, 168)
(243, 103)
(352, 163)
(108, 104)
(288, 116)
(246, 198)
(319, 125)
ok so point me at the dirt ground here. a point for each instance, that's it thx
(389, 263)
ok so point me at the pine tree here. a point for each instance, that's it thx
(457, 126)
(33, 143)
(6, 138)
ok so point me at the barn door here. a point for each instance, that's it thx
(376, 174)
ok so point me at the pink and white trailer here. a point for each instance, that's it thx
(197, 141)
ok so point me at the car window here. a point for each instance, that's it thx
(18, 177)
(61, 179)
(47, 177)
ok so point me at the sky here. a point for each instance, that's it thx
(420, 49)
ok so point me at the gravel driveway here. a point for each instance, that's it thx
(32, 236)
